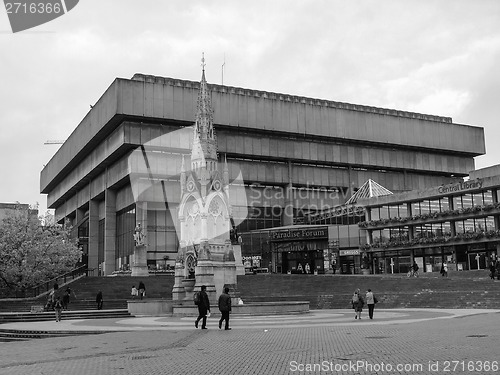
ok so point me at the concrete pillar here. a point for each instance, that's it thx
(287, 217)
(93, 235)
(109, 232)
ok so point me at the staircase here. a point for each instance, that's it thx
(115, 290)
(467, 289)
(471, 289)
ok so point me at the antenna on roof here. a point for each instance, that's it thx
(223, 66)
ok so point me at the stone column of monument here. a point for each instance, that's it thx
(205, 271)
(178, 292)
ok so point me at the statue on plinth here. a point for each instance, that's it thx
(139, 236)
(139, 265)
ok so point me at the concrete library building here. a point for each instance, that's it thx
(296, 166)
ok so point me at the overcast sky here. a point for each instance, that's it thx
(434, 57)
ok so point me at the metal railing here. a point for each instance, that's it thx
(61, 279)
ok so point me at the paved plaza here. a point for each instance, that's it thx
(397, 341)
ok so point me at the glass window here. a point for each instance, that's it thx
(490, 222)
(467, 200)
(444, 204)
(435, 206)
(380, 235)
(393, 212)
(403, 210)
(425, 207)
(384, 212)
(469, 225)
(480, 224)
(487, 197)
(477, 199)
(375, 213)
(457, 202)
(415, 208)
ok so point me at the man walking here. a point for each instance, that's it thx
(99, 300)
(370, 301)
(203, 308)
(225, 308)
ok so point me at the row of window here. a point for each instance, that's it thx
(435, 229)
(428, 206)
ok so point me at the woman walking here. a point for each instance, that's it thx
(357, 303)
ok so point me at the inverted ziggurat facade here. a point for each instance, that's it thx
(292, 163)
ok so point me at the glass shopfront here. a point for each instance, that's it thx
(300, 250)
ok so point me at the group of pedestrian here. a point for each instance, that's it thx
(358, 302)
(138, 292)
(203, 303)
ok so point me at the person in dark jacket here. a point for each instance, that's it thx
(99, 300)
(357, 303)
(142, 290)
(203, 308)
(225, 308)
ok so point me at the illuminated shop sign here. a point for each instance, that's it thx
(460, 186)
(299, 234)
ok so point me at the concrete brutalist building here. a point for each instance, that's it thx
(294, 156)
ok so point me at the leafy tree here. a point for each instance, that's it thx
(31, 253)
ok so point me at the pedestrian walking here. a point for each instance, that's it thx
(492, 270)
(99, 300)
(371, 300)
(65, 300)
(57, 308)
(142, 289)
(357, 303)
(134, 293)
(203, 308)
(225, 308)
(444, 269)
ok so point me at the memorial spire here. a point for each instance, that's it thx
(204, 152)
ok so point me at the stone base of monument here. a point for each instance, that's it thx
(162, 307)
(150, 307)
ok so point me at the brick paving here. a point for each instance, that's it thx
(323, 342)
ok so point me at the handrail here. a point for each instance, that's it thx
(47, 285)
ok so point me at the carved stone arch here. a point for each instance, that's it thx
(217, 218)
(191, 212)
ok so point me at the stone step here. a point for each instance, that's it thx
(48, 316)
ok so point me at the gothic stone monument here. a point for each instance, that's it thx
(206, 255)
